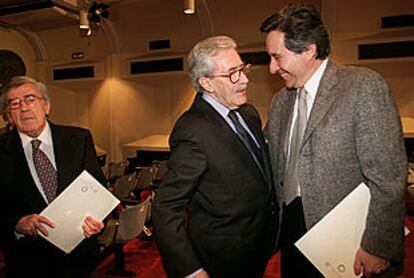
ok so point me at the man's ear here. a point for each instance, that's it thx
(311, 51)
(205, 82)
(47, 108)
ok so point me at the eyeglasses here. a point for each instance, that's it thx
(235, 74)
(29, 100)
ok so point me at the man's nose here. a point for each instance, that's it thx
(244, 78)
(273, 66)
(24, 105)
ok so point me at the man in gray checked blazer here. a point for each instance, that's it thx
(352, 135)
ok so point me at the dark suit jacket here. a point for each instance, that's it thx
(353, 135)
(74, 152)
(228, 228)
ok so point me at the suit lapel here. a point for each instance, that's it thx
(60, 146)
(24, 179)
(324, 99)
(254, 125)
(228, 136)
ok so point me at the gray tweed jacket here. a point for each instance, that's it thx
(353, 135)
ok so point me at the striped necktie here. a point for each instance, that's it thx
(45, 171)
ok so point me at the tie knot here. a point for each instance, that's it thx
(233, 116)
(302, 93)
(36, 143)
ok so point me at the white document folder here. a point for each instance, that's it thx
(85, 196)
(331, 244)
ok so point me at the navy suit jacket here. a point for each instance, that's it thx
(214, 207)
(74, 152)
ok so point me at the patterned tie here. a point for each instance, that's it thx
(246, 138)
(291, 183)
(45, 171)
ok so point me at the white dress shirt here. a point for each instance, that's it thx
(46, 146)
(311, 87)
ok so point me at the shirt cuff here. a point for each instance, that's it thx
(194, 273)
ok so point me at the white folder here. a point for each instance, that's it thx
(85, 196)
(331, 244)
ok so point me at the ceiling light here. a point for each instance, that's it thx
(83, 19)
(189, 6)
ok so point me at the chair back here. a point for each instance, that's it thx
(132, 221)
(123, 186)
(117, 169)
(145, 176)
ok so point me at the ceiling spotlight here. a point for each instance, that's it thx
(189, 6)
(83, 19)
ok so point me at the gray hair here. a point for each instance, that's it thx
(18, 81)
(199, 59)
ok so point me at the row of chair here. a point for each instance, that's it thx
(144, 176)
(135, 190)
(129, 225)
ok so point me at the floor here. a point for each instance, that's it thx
(143, 258)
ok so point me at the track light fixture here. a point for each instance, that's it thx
(83, 20)
(189, 6)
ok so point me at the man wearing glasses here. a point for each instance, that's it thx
(214, 213)
(38, 161)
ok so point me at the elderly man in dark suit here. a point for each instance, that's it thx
(342, 128)
(214, 213)
(25, 190)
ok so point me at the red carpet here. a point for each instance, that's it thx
(142, 257)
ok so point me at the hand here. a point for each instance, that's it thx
(202, 274)
(31, 224)
(91, 226)
(369, 264)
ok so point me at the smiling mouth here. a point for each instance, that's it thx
(284, 75)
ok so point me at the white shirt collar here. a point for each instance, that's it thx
(220, 108)
(312, 84)
(45, 136)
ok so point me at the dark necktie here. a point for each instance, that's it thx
(246, 138)
(45, 171)
(291, 183)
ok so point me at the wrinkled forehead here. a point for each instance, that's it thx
(22, 91)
